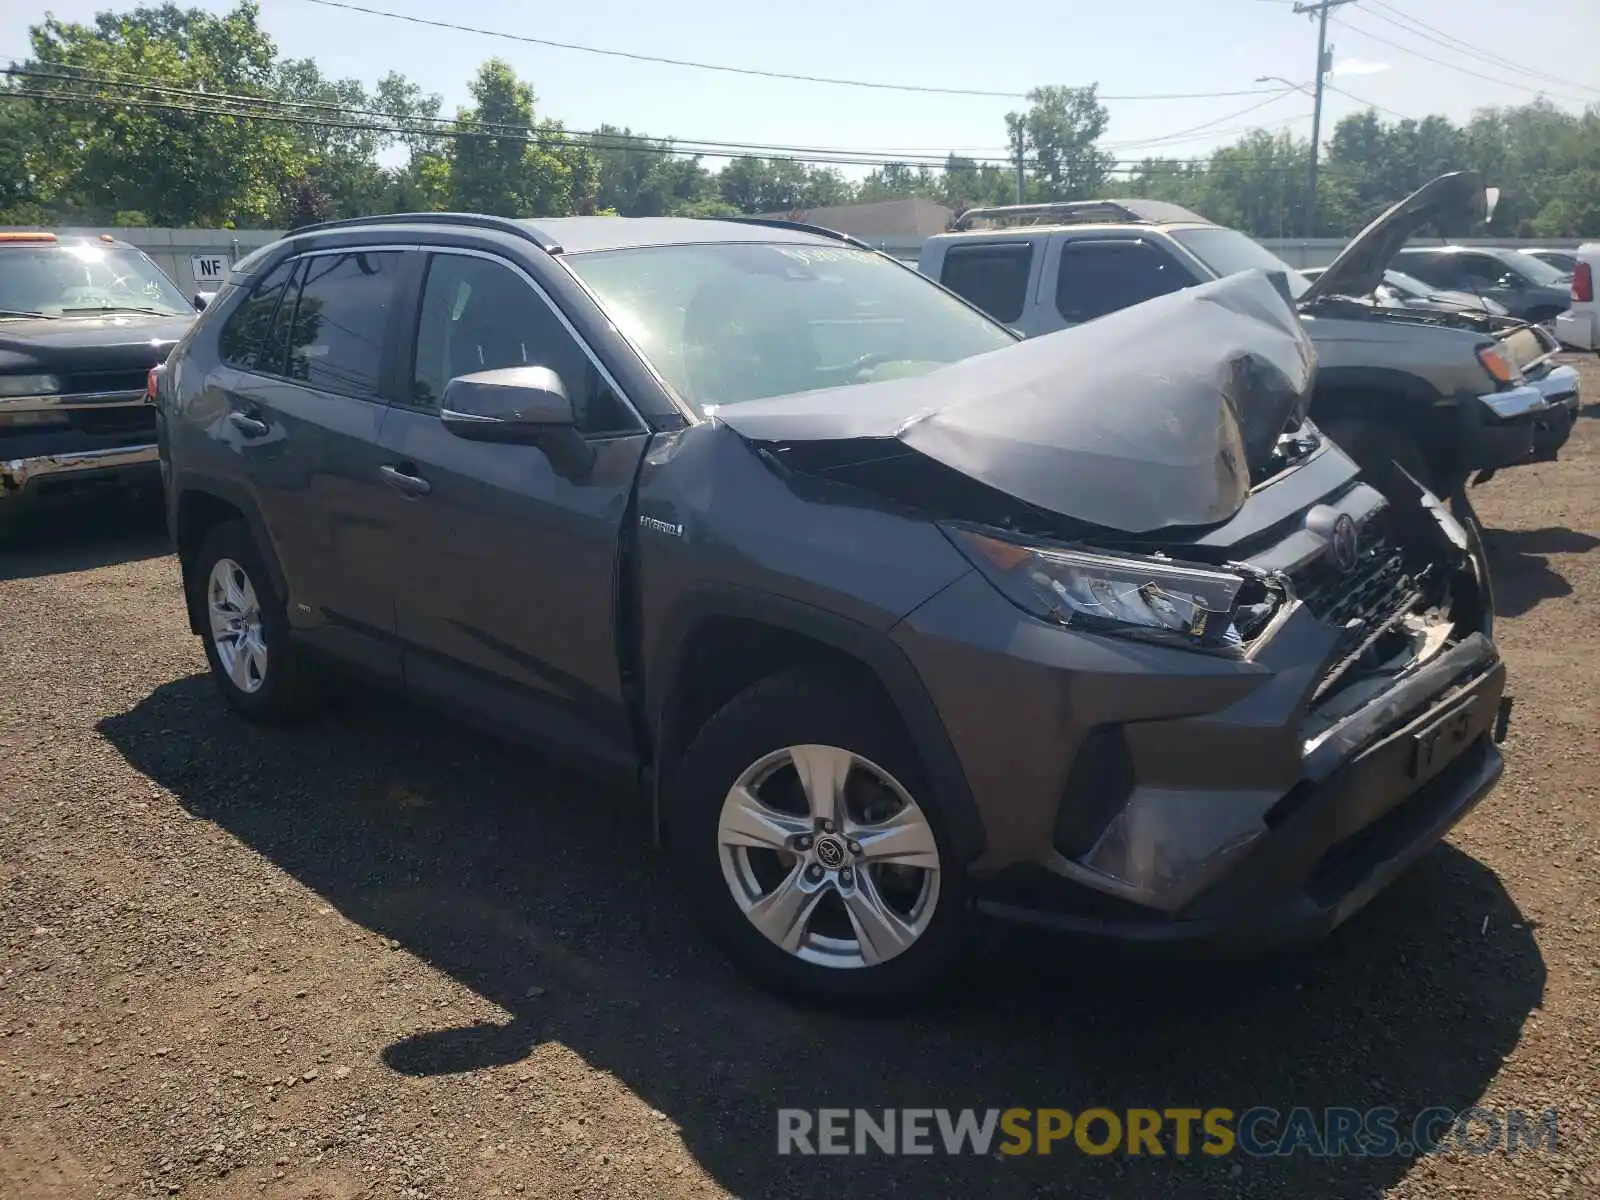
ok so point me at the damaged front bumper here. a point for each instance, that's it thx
(1151, 794)
(50, 478)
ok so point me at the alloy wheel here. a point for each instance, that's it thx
(828, 856)
(236, 629)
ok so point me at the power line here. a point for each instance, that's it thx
(555, 138)
(430, 126)
(732, 70)
(1333, 87)
(1367, 33)
(1180, 134)
(139, 82)
(1451, 42)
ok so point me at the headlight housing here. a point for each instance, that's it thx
(1499, 365)
(1153, 599)
(29, 385)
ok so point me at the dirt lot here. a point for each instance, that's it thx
(383, 956)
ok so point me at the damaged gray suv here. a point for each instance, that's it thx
(899, 621)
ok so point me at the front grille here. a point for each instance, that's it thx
(119, 420)
(104, 381)
(1366, 594)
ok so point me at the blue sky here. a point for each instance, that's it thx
(1152, 46)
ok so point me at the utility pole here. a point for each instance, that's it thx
(1020, 146)
(1323, 64)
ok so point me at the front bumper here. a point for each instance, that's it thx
(58, 478)
(1559, 387)
(1151, 794)
(1334, 844)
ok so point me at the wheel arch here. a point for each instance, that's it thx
(200, 505)
(718, 641)
(1397, 399)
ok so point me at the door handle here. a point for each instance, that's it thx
(251, 427)
(410, 485)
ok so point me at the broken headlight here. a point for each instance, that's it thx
(1155, 599)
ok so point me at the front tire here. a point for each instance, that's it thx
(813, 850)
(253, 663)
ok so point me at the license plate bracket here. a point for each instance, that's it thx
(1443, 738)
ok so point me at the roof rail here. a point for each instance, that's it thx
(801, 226)
(1136, 211)
(529, 233)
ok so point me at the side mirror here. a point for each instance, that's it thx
(525, 406)
(1513, 281)
(201, 299)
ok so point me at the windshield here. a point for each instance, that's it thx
(52, 280)
(1227, 252)
(734, 321)
(1540, 272)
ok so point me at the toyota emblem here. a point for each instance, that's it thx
(1345, 543)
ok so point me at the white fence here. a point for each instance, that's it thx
(183, 253)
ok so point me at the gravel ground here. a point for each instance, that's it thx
(384, 956)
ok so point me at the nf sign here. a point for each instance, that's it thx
(209, 268)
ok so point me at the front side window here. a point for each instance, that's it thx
(1099, 277)
(479, 315)
(71, 279)
(992, 276)
(334, 332)
(728, 322)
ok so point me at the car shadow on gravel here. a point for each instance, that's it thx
(1520, 566)
(82, 538)
(543, 894)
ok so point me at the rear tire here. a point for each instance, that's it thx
(881, 923)
(258, 670)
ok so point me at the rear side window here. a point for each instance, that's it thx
(1100, 277)
(246, 330)
(335, 333)
(993, 276)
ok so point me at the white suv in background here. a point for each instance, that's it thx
(1579, 327)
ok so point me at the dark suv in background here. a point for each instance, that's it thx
(82, 322)
(899, 618)
(1526, 287)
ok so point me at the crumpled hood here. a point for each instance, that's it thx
(88, 343)
(1146, 418)
(1457, 197)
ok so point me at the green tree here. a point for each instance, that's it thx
(179, 167)
(1058, 133)
(508, 163)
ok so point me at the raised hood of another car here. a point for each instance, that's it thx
(1148, 418)
(1457, 198)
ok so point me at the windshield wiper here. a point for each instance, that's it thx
(19, 312)
(127, 308)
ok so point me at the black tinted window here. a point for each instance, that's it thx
(1101, 277)
(1437, 269)
(335, 335)
(478, 315)
(993, 277)
(245, 331)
